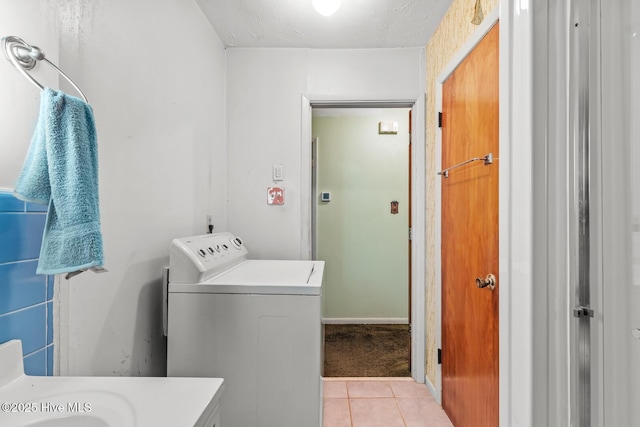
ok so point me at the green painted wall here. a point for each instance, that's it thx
(365, 246)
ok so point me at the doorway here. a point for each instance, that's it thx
(361, 210)
(417, 244)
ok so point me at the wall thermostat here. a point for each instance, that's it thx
(325, 196)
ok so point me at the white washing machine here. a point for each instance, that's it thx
(255, 323)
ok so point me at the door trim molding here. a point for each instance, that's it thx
(418, 249)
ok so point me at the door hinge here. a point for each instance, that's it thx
(440, 119)
(410, 233)
(582, 312)
(439, 356)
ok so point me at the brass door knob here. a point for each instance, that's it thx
(488, 282)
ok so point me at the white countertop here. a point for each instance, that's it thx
(101, 401)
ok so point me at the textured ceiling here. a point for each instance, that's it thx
(294, 23)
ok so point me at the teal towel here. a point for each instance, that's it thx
(61, 170)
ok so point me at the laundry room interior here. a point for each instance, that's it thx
(209, 127)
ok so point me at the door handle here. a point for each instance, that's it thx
(488, 282)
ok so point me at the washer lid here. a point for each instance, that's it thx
(265, 277)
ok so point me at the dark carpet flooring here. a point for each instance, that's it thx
(366, 351)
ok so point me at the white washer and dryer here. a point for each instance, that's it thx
(255, 323)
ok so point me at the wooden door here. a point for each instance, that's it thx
(470, 239)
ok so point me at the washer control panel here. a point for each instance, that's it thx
(205, 248)
(195, 259)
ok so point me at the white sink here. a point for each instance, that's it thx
(71, 421)
(87, 408)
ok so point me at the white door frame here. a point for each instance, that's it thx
(418, 196)
(519, 392)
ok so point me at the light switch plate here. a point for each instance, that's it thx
(278, 173)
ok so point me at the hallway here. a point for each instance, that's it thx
(384, 402)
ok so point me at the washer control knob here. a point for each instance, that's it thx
(211, 251)
(225, 247)
(217, 247)
(237, 242)
(202, 253)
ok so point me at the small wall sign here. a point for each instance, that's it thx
(275, 196)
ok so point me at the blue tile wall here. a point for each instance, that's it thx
(26, 307)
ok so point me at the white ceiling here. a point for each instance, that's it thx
(294, 23)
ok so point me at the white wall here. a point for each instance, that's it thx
(35, 22)
(154, 73)
(265, 88)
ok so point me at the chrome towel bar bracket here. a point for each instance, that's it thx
(24, 57)
(488, 159)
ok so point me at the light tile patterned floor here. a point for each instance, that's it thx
(383, 402)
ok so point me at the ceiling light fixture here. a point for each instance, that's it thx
(326, 7)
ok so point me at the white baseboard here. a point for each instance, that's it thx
(432, 389)
(365, 321)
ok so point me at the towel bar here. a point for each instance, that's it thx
(488, 159)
